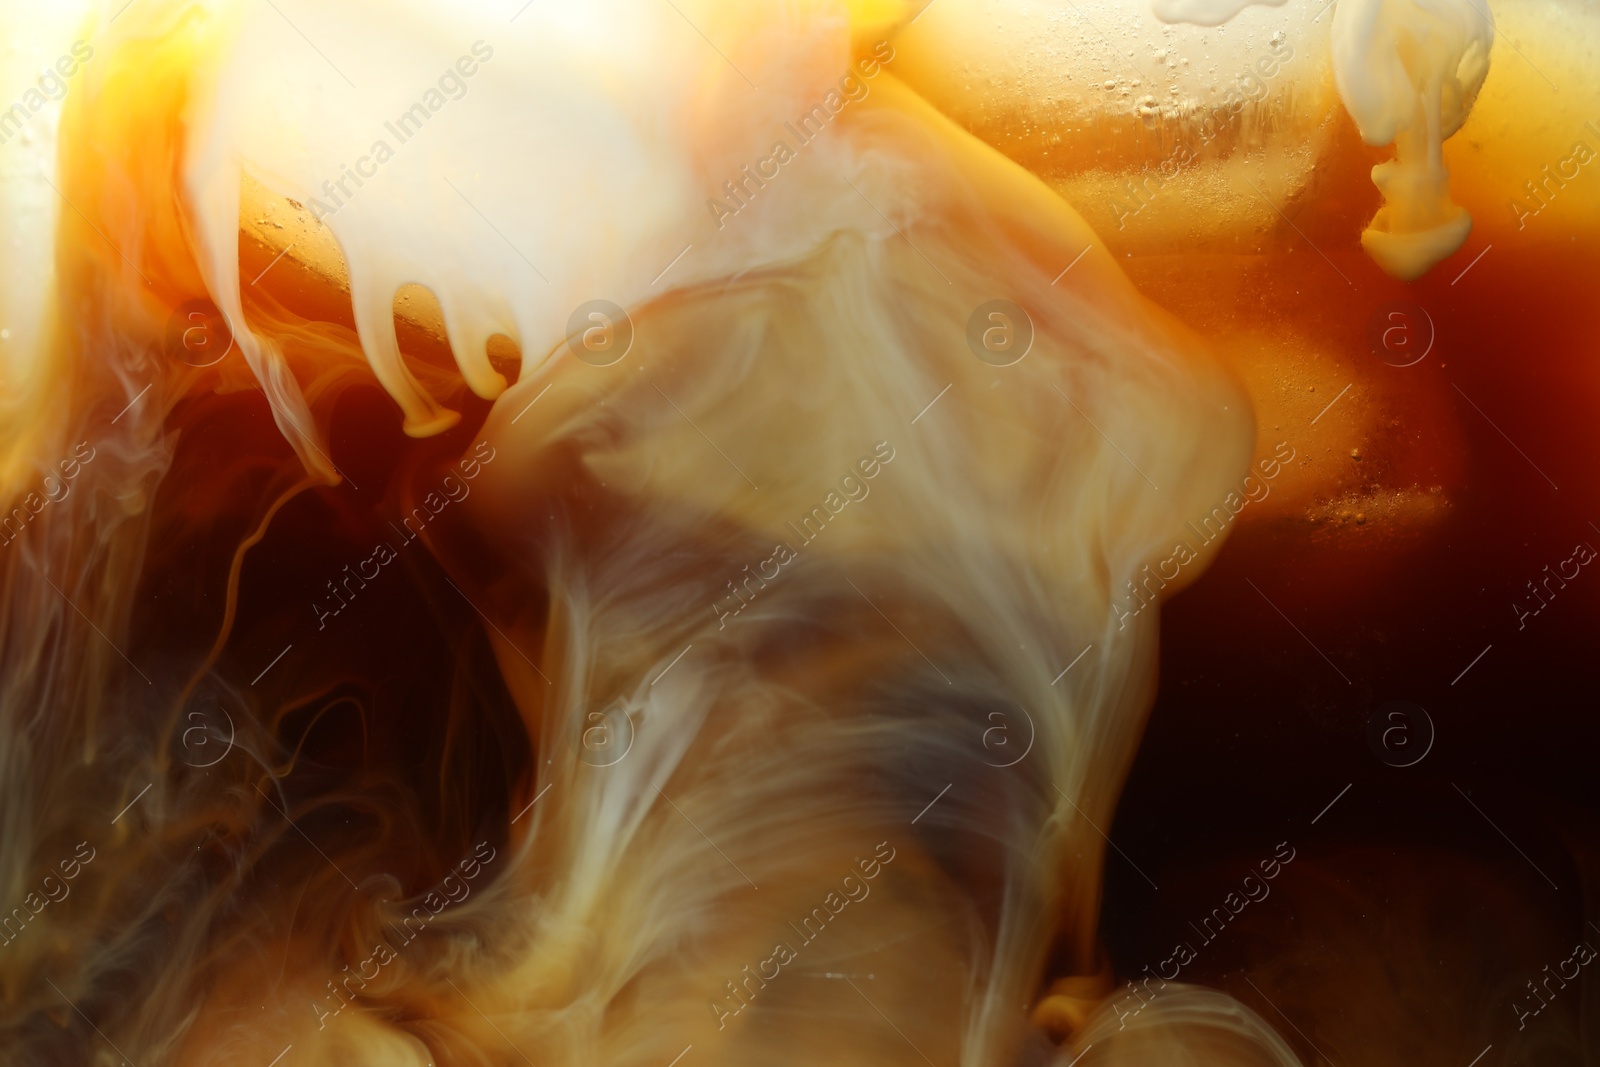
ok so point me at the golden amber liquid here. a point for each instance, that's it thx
(1390, 560)
(1392, 553)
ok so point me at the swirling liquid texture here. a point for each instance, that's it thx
(680, 532)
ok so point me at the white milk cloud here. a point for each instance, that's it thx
(1408, 72)
(762, 753)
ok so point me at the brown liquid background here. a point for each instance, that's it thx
(1404, 913)
(1407, 913)
(1252, 733)
(1408, 923)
